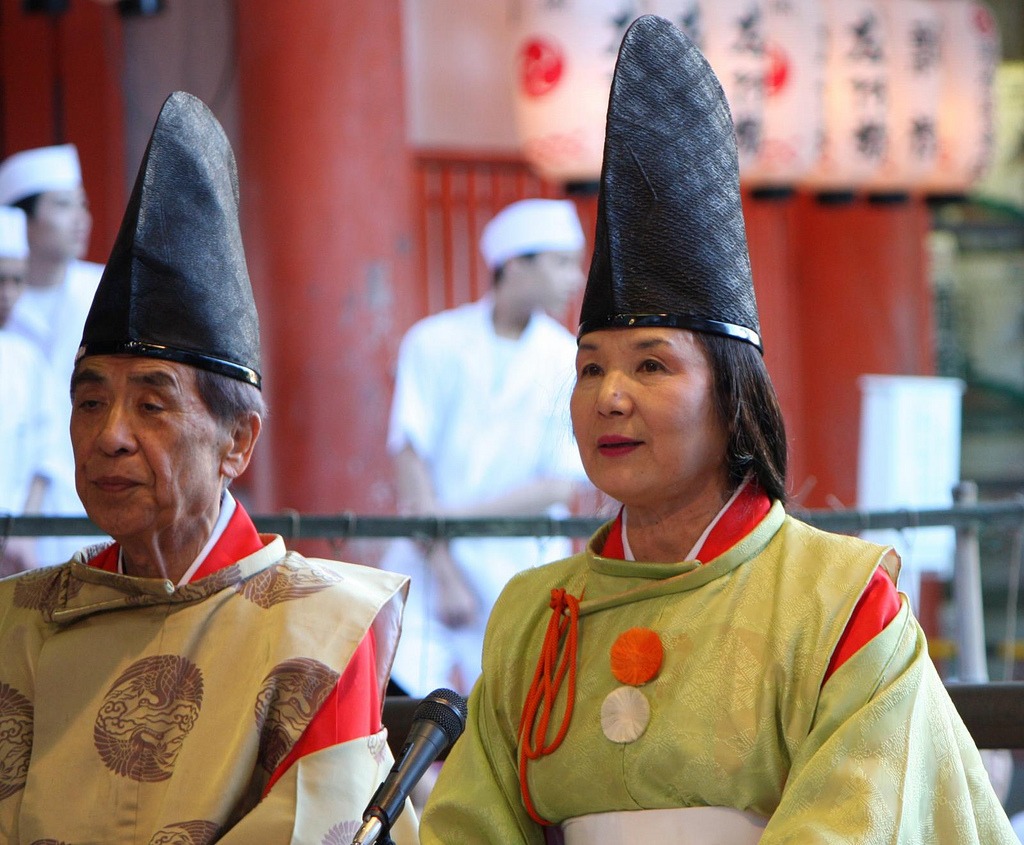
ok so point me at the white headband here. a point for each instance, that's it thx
(531, 226)
(35, 171)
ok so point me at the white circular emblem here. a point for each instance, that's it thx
(625, 713)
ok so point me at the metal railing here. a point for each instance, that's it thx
(348, 525)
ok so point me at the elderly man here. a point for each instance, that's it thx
(193, 681)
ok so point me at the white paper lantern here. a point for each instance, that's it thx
(564, 58)
(913, 43)
(855, 96)
(970, 53)
(733, 42)
(794, 34)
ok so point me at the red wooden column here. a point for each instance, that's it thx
(326, 190)
(865, 307)
(60, 83)
(771, 241)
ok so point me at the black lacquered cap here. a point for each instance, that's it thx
(176, 285)
(670, 247)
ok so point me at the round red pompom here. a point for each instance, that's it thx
(636, 656)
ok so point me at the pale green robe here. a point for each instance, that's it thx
(135, 712)
(738, 714)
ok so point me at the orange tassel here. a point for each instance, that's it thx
(547, 680)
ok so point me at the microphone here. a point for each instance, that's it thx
(437, 722)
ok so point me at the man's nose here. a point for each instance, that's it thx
(116, 434)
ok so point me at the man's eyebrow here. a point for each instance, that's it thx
(157, 378)
(87, 375)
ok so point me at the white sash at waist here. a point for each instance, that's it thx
(679, 826)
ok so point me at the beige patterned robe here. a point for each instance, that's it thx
(132, 711)
(738, 716)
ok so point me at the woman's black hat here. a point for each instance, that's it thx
(670, 247)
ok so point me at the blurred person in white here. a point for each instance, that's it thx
(27, 431)
(479, 427)
(46, 183)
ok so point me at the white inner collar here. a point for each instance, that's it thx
(693, 553)
(227, 508)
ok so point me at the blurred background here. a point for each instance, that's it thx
(882, 160)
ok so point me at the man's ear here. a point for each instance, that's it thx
(244, 434)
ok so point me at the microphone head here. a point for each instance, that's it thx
(445, 708)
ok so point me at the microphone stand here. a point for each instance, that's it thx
(438, 721)
(367, 835)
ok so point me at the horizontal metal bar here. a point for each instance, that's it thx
(991, 712)
(349, 525)
(959, 516)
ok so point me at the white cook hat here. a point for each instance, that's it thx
(531, 226)
(13, 240)
(32, 172)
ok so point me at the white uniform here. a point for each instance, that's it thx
(53, 319)
(27, 421)
(487, 414)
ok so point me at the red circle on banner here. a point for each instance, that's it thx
(541, 65)
(776, 74)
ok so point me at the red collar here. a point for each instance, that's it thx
(239, 540)
(739, 519)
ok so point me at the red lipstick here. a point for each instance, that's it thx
(613, 445)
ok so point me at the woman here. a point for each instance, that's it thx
(710, 670)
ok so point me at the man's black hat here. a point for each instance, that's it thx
(176, 285)
(670, 248)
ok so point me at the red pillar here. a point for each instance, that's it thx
(326, 190)
(60, 82)
(865, 307)
(772, 244)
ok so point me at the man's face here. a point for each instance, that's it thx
(149, 456)
(546, 280)
(12, 280)
(59, 228)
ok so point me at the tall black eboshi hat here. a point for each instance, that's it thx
(670, 247)
(176, 285)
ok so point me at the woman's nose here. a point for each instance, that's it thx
(613, 397)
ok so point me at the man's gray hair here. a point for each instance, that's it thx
(228, 399)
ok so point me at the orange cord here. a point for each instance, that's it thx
(547, 680)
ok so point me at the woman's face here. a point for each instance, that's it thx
(645, 420)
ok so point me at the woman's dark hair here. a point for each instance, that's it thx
(750, 411)
(229, 399)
